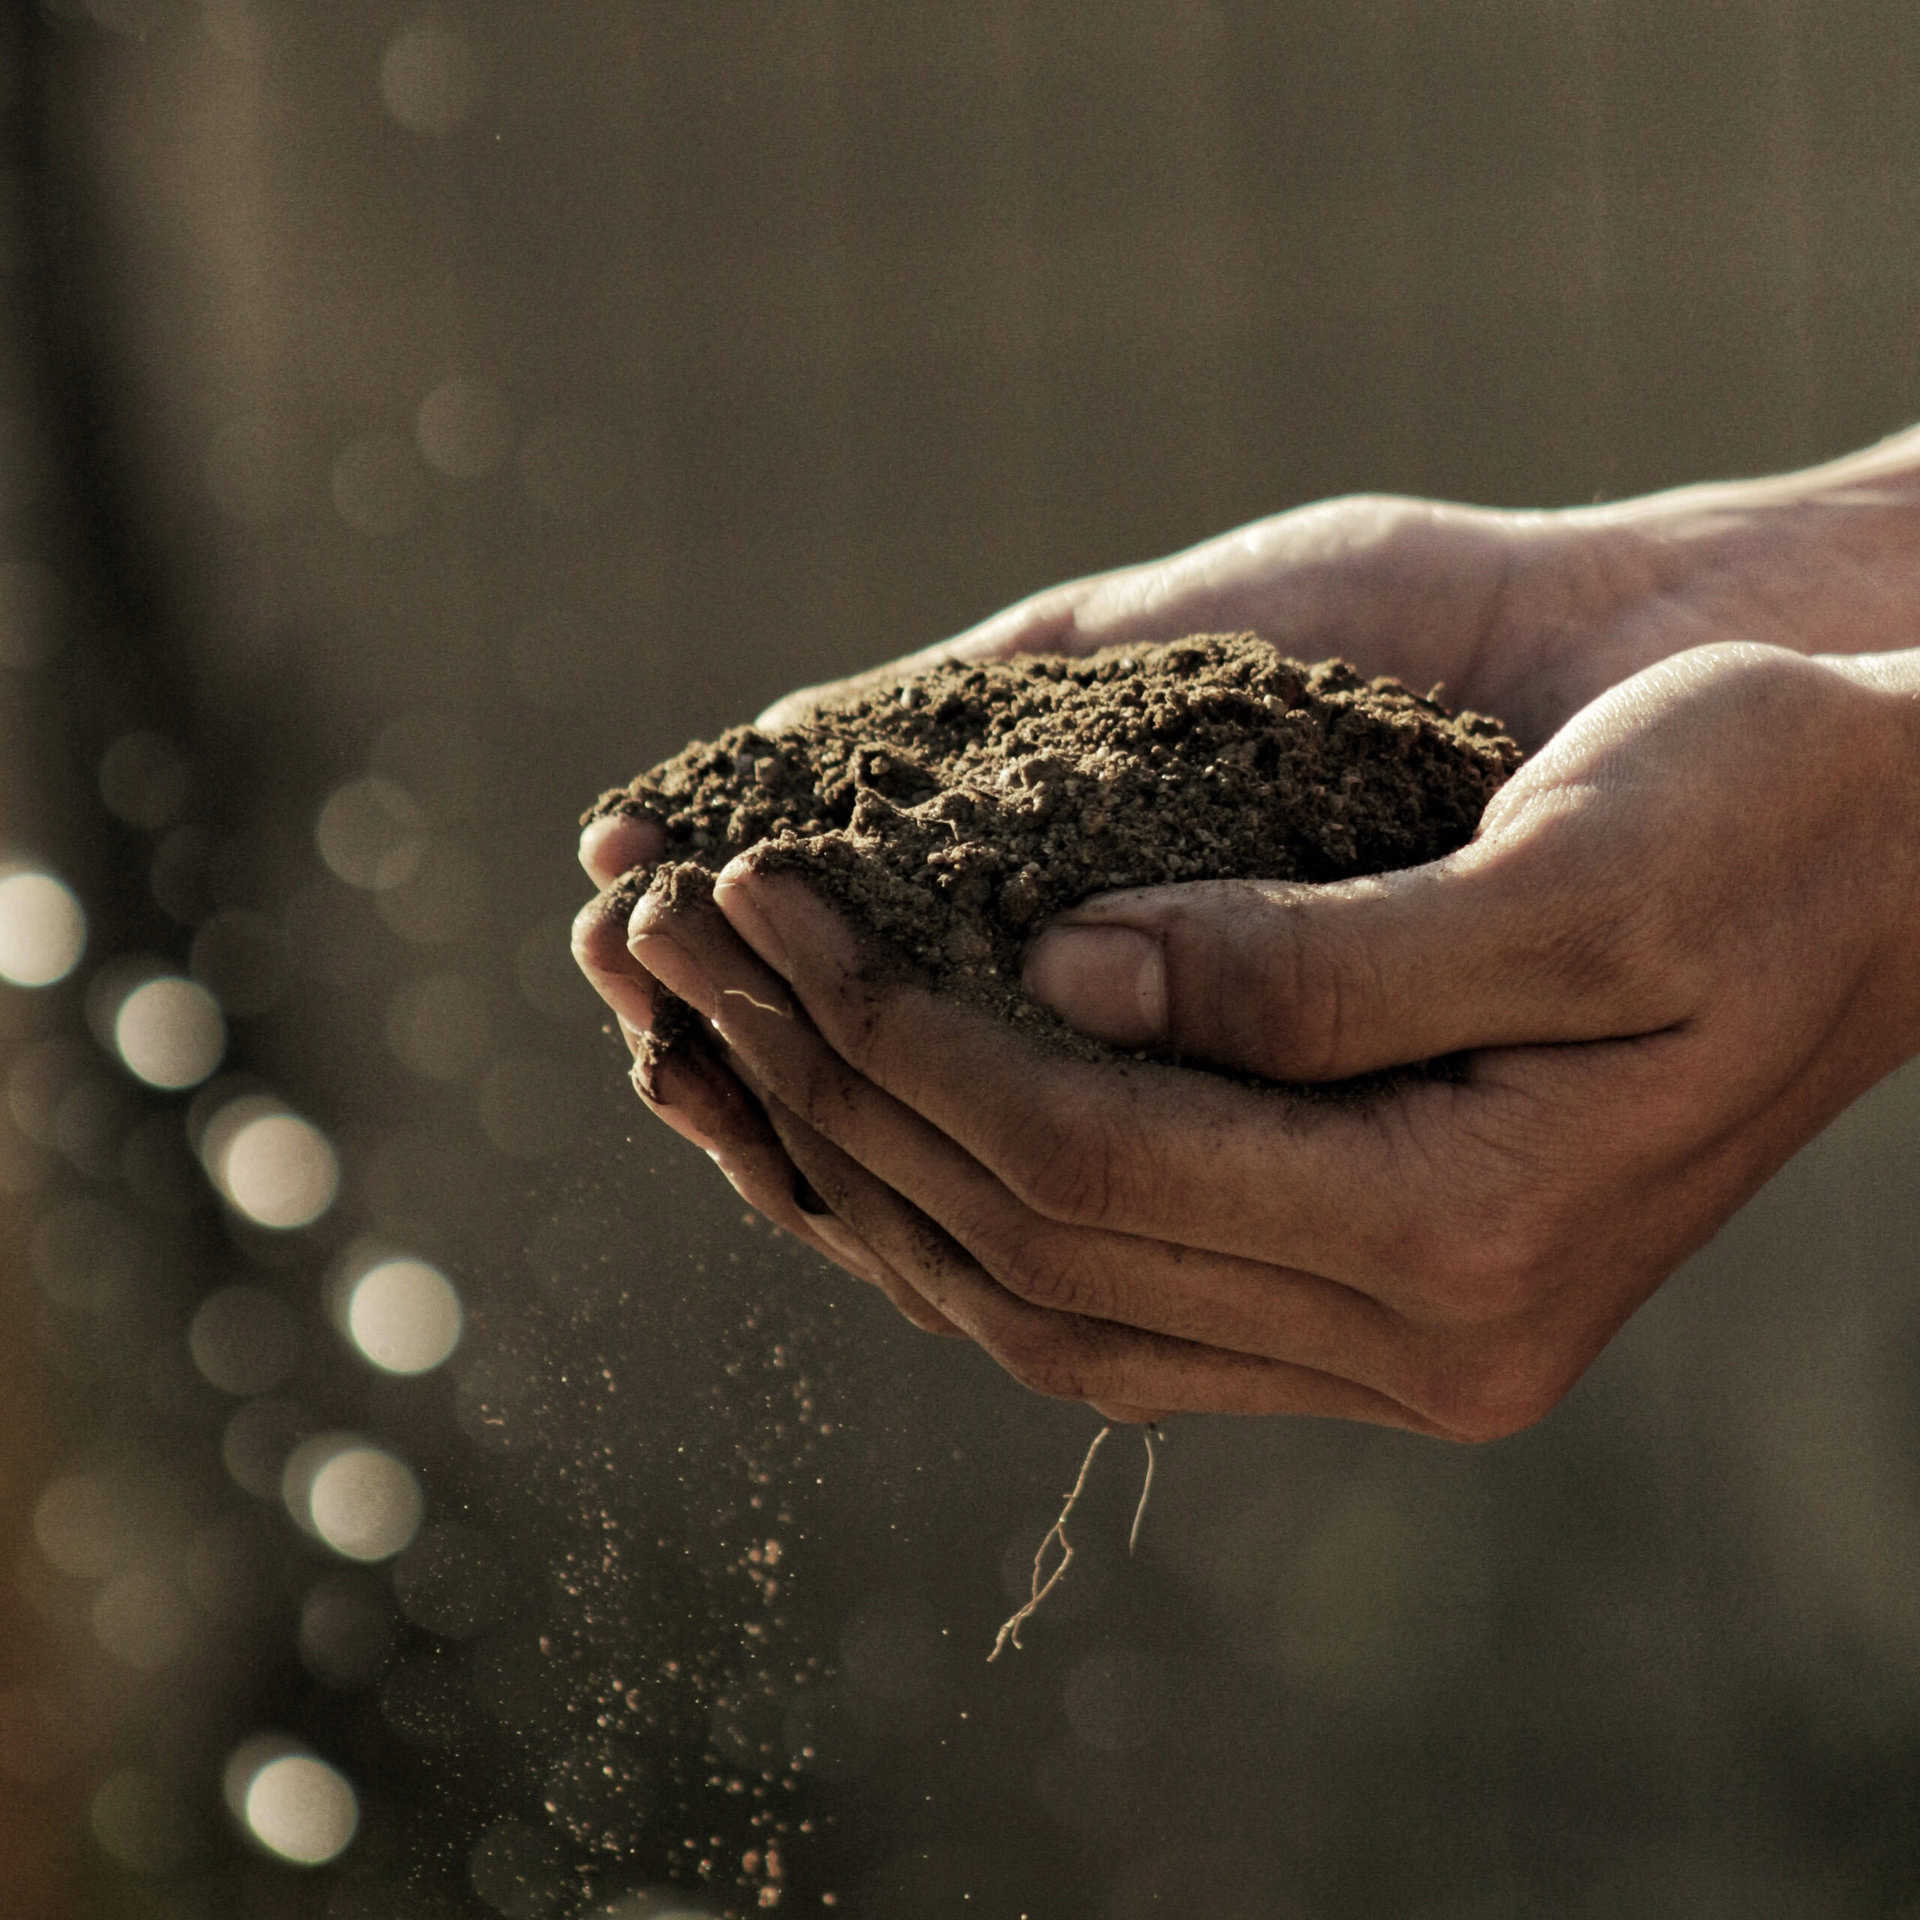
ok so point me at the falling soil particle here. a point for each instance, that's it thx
(951, 815)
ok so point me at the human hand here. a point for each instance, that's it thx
(1526, 614)
(1679, 944)
(1412, 587)
(1325, 577)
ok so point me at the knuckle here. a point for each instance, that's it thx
(1598, 936)
(1047, 1270)
(1493, 1266)
(1485, 1285)
(1063, 1170)
(1646, 959)
(1319, 1010)
(1044, 1359)
(1499, 1393)
(1292, 992)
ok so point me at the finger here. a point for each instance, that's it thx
(1490, 1318)
(1124, 1146)
(702, 1101)
(612, 844)
(705, 1103)
(851, 1194)
(1068, 1356)
(1483, 1381)
(1245, 1305)
(828, 1223)
(1218, 1300)
(707, 1099)
(629, 990)
(1393, 583)
(1314, 983)
(599, 941)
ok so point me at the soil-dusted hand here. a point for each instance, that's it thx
(1682, 941)
(1415, 588)
(1526, 615)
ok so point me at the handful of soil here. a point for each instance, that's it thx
(950, 816)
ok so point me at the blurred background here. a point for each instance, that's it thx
(426, 1494)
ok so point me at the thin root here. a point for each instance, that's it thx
(1009, 1634)
(740, 993)
(1146, 1487)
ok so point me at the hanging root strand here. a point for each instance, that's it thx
(1147, 1434)
(1009, 1634)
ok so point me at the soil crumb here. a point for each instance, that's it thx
(953, 814)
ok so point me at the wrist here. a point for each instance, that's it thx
(1875, 491)
(1888, 775)
(1821, 561)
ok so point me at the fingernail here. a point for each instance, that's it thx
(597, 838)
(1110, 982)
(735, 899)
(612, 844)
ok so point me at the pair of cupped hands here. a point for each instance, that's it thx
(1682, 939)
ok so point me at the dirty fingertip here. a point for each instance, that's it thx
(611, 844)
(741, 902)
(1109, 981)
(780, 914)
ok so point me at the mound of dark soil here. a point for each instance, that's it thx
(952, 815)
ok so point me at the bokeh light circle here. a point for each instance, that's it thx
(376, 484)
(353, 1495)
(170, 1032)
(43, 929)
(371, 833)
(347, 1630)
(463, 429)
(440, 1026)
(139, 1822)
(404, 1316)
(666, 1904)
(144, 779)
(82, 1524)
(241, 958)
(271, 1166)
(290, 1801)
(517, 1870)
(431, 79)
(142, 1618)
(257, 1442)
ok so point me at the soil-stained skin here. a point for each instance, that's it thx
(950, 816)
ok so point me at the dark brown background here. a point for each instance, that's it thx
(812, 333)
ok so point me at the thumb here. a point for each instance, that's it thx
(1303, 983)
